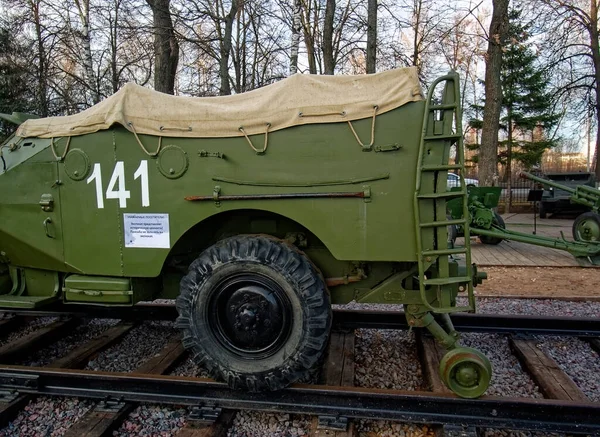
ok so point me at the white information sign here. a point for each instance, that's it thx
(147, 230)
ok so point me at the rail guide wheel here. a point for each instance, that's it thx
(466, 371)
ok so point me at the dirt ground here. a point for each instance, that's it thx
(538, 282)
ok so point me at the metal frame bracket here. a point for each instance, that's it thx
(337, 423)
(7, 396)
(205, 414)
(109, 405)
(17, 380)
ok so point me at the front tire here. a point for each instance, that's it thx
(255, 312)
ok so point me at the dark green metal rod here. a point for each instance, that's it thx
(575, 248)
(548, 182)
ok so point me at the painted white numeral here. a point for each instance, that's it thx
(118, 177)
(97, 176)
(142, 172)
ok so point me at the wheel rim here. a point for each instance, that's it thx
(588, 230)
(250, 315)
(466, 371)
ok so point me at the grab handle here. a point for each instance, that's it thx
(46, 223)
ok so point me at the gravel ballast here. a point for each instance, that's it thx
(86, 331)
(136, 347)
(383, 359)
(27, 329)
(49, 417)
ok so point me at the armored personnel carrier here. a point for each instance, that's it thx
(256, 212)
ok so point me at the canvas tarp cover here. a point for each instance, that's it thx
(299, 99)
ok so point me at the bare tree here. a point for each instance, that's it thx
(327, 46)
(296, 29)
(419, 25)
(371, 36)
(166, 47)
(83, 9)
(493, 94)
(574, 49)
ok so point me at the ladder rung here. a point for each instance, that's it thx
(445, 281)
(443, 195)
(441, 167)
(443, 223)
(443, 137)
(444, 106)
(457, 251)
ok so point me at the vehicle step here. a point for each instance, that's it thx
(443, 223)
(457, 251)
(444, 106)
(446, 281)
(10, 301)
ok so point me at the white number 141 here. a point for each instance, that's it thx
(116, 185)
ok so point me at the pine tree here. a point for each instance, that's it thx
(527, 110)
(14, 91)
(527, 104)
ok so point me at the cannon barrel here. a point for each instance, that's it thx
(548, 182)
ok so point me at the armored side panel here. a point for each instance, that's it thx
(113, 193)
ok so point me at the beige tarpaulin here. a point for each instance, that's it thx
(299, 99)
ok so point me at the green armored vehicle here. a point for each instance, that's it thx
(255, 211)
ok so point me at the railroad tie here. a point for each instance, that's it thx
(553, 382)
(338, 370)
(76, 359)
(108, 414)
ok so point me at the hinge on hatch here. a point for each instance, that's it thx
(47, 202)
(387, 148)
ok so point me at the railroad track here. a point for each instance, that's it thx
(334, 402)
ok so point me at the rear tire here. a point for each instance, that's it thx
(498, 221)
(255, 312)
(543, 212)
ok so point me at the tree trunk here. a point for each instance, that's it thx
(328, 61)
(166, 47)
(593, 30)
(309, 24)
(296, 27)
(114, 32)
(371, 36)
(225, 49)
(42, 81)
(509, 161)
(488, 151)
(83, 8)
(416, 30)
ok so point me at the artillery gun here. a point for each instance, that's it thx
(586, 226)
(255, 212)
(487, 224)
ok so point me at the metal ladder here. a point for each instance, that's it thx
(439, 134)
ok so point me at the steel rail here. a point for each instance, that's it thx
(352, 319)
(405, 406)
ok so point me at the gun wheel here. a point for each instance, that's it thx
(586, 227)
(497, 221)
(466, 371)
(255, 312)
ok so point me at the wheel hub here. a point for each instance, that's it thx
(467, 375)
(252, 315)
(589, 230)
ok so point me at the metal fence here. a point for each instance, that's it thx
(519, 190)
